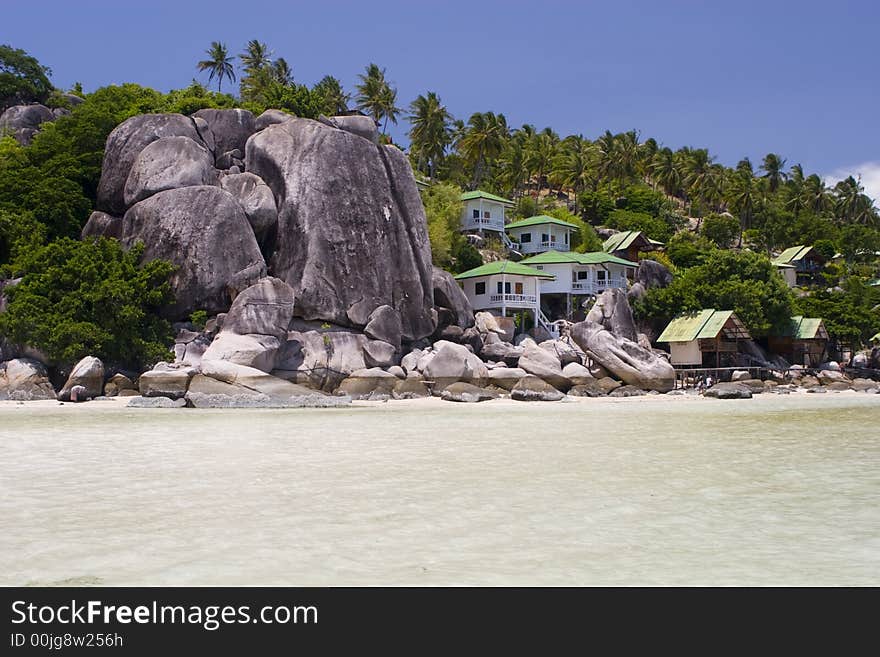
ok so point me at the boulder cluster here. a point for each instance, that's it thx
(22, 122)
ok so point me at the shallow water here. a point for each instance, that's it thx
(772, 491)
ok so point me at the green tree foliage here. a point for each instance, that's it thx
(443, 210)
(721, 229)
(654, 228)
(20, 233)
(746, 283)
(850, 315)
(22, 78)
(688, 250)
(218, 64)
(465, 257)
(334, 100)
(431, 132)
(376, 96)
(90, 298)
(585, 239)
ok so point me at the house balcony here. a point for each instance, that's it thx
(595, 287)
(541, 247)
(517, 300)
(496, 225)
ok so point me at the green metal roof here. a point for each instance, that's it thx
(502, 267)
(563, 257)
(539, 220)
(805, 328)
(479, 193)
(876, 337)
(625, 239)
(874, 283)
(705, 324)
(792, 254)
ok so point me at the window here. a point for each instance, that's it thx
(566, 238)
(505, 289)
(601, 274)
(500, 288)
(545, 237)
(541, 267)
(476, 214)
(518, 288)
(583, 275)
(525, 238)
(480, 288)
(487, 214)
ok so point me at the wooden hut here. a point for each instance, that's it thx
(803, 342)
(708, 338)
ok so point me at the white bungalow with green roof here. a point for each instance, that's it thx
(541, 233)
(693, 337)
(483, 211)
(504, 286)
(581, 273)
(799, 264)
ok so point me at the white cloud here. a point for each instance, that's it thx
(870, 177)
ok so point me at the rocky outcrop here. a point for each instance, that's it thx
(728, 391)
(271, 117)
(624, 358)
(230, 128)
(450, 363)
(101, 224)
(506, 377)
(368, 384)
(321, 358)
(257, 200)
(612, 312)
(384, 324)
(168, 163)
(362, 126)
(123, 146)
(652, 274)
(544, 365)
(466, 392)
(374, 252)
(531, 388)
(204, 232)
(449, 296)
(24, 379)
(165, 380)
(22, 122)
(88, 373)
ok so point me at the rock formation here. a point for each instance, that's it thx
(22, 122)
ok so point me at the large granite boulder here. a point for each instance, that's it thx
(229, 127)
(88, 373)
(166, 380)
(624, 358)
(577, 374)
(466, 392)
(729, 391)
(368, 383)
(168, 163)
(257, 200)
(25, 379)
(545, 365)
(22, 122)
(449, 295)
(531, 388)
(363, 126)
(375, 250)
(101, 224)
(123, 146)
(506, 377)
(452, 362)
(271, 117)
(255, 326)
(384, 324)
(321, 358)
(204, 232)
(652, 274)
(612, 311)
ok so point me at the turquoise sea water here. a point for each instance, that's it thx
(775, 490)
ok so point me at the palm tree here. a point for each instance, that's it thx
(795, 190)
(390, 110)
(483, 141)
(431, 131)
(772, 167)
(371, 92)
(540, 152)
(743, 193)
(219, 64)
(665, 171)
(851, 204)
(699, 176)
(816, 194)
(256, 56)
(575, 166)
(281, 72)
(335, 100)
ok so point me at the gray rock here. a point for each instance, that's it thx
(362, 126)
(860, 359)
(506, 377)
(266, 308)
(123, 146)
(531, 388)
(410, 360)
(612, 312)
(321, 358)
(466, 392)
(204, 232)
(627, 391)
(88, 373)
(25, 379)
(728, 391)
(451, 363)
(156, 402)
(118, 384)
(271, 117)
(230, 159)
(205, 133)
(101, 224)
(625, 359)
(257, 200)
(740, 375)
(73, 99)
(449, 295)
(254, 380)
(170, 383)
(363, 384)
(314, 172)
(168, 163)
(565, 350)
(577, 374)
(652, 274)
(397, 371)
(23, 121)
(596, 388)
(545, 365)
(230, 127)
(410, 388)
(78, 394)
(379, 354)
(471, 338)
(817, 390)
(384, 324)
(502, 351)
(830, 376)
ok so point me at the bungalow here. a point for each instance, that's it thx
(803, 342)
(483, 211)
(504, 286)
(693, 337)
(581, 273)
(628, 244)
(541, 233)
(805, 260)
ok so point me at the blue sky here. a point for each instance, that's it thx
(740, 78)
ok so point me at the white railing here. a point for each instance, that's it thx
(484, 224)
(524, 299)
(540, 247)
(595, 287)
